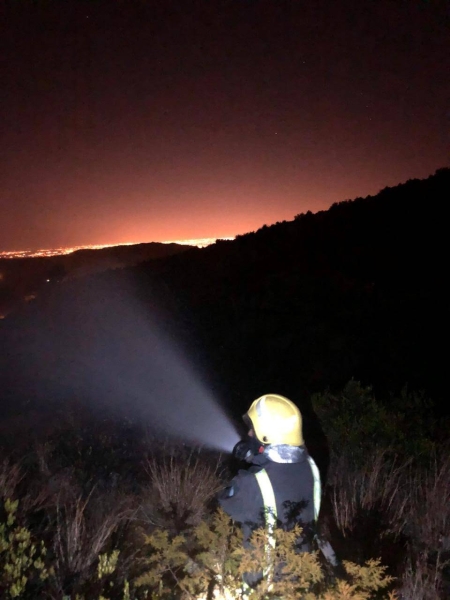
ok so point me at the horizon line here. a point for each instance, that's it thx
(64, 250)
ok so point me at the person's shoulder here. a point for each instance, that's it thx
(255, 469)
(242, 482)
(245, 478)
(245, 474)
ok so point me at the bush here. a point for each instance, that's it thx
(354, 420)
(21, 558)
(83, 531)
(389, 483)
(356, 489)
(211, 559)
(71, 539)
(182, 483)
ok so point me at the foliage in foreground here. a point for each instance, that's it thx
(21, 558)
(213, 558)
(92, 494)
(388, 483)
(209, 559)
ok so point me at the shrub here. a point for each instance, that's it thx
(422, 506)
(10, 476)
(182, 483)
(22, 560)
(421, 512)
(357, 488)
(211, 559)
(354, 420)
(389, 482)
(83, 530)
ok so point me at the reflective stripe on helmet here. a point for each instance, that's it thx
(260, 405)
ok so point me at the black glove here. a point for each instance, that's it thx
(247, 449)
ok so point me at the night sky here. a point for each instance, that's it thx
(141, 120)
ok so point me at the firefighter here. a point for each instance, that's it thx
(281, 487)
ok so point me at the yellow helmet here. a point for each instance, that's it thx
(276, 420)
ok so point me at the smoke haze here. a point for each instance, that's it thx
(101, 345)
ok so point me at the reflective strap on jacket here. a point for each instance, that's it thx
(270, 511)
(270, 505)
(324, 545)
(270, 515)
(317, 487)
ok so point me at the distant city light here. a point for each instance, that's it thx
(199, 242)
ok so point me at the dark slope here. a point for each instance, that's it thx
(22, 279)
(355, 291)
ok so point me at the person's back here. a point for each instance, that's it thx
(282, 479)
(293, 485)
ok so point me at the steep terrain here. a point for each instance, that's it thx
(357, 291)
(22, 279)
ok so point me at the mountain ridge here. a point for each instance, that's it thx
(353, 292)
(23, 277)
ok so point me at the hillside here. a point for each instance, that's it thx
(354, 291)
(21, 279)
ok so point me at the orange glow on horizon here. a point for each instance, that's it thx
(199, 242)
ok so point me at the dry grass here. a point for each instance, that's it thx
(412, 500)
(77, 522)
(83, 529)
(14, 484)
(422, 513)
(181, 485)
(422, 509)
(11, 474)
(354, 489)
(422, 580)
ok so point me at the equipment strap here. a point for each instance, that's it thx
(270, 505)
(324, 545)
(270, 515)
(317, 487)
(268, 495)
(270, 509)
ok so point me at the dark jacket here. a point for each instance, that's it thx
(293, 486)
